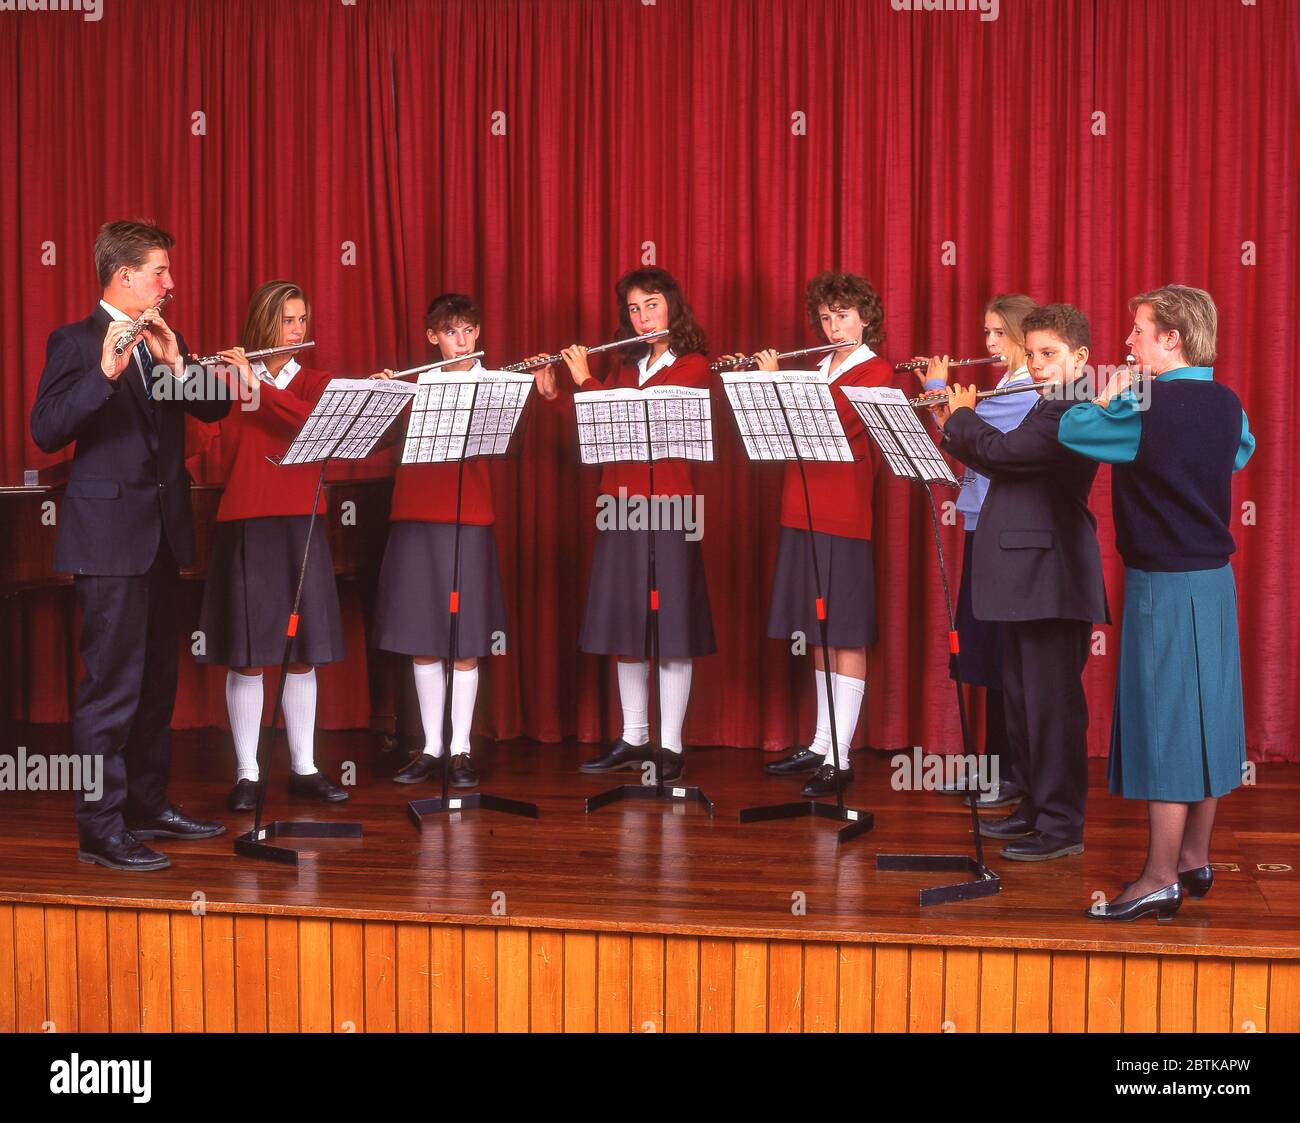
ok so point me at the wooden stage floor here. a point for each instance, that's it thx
(647, 879)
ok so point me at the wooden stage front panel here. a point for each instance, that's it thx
(634, 918)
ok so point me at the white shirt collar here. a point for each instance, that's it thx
(281, 380)
(1022, 371)
(645, 373)
(860, 354)
(116, 313)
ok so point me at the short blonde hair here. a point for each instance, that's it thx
(265, 307)
(1188, 311)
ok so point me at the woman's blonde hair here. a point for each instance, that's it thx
(1188, 311)
(265, 307)
(1012, 308)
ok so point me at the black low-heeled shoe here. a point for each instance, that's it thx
(1197, 882)
(1163, 902)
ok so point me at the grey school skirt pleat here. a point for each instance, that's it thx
(249, 593)
(413, 604)
(848, 582)
(1178, 731)
(618, 594)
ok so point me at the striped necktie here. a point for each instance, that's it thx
(146, 363)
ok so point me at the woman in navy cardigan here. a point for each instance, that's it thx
(1178, 733)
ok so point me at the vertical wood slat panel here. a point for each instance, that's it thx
(961, 990)
(1105, 993)
(252, 961)
(29, 973)
(750, 1003)
(785, 986)
(613, 983)
(1284, 997)
(1177, 995)
(821, 987)
(857, 972)
(315, 971)
(925, 986)
(580, 982)
(1033, 991)
(1249, 996)
(480, 944)
(187, 972)
(1069, 992)
(546, 981)
(647, 983)
(997, 991)
(61, 968)
(446, 979)
(512, 980)
(124, 1009)
(348, 976)
(1141, 994)
(412, 974)
(8, 972)
(717, 985)
(379, 941)
(283, 975)
(92, 970)
(681, 984)
(155, 950)
(1213, 996)
(889, 989)
(218, 973)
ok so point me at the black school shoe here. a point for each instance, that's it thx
(801, 760)
(243, 796)
(418, 768)
(123, 852)
(462, 772)
(174, 823)
(622, 755)
(1039, 847)
(1164, 903)
(827, 780)
(1007, 827)
(316, 785)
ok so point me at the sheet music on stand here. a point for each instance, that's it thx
(659, 423)
(787, 415)
(460, 415)
(349, 419)
(898, 432)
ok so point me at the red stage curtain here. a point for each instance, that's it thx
(530, 152)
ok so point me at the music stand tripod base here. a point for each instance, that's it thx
(673, 793)
(253, 844)
(859, 821)
(417, 809)
(986, 883)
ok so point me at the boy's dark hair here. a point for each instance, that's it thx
(1064, 321)
(451, 308)
(127, 242)
(687, 335)
(847, 290)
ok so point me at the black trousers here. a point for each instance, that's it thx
(1047, 721)
(125, 701)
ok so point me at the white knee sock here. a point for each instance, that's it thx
(674, 694)
(821, 742)
(300, 721)
(464, 690)
(848, 703)
(431, 690)
(244, 704)
(634, 695)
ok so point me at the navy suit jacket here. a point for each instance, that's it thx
(128, 483)
(1035, 554)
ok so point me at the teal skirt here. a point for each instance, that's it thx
(1178, 732)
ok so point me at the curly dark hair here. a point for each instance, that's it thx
(687, 336)
(1064, 321)
(847, 290)
(451, 308)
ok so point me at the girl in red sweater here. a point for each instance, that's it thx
(844, 308)
(261, 531)
(615, 622)
(412, 614)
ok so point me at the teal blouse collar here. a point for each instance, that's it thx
(1199, 374)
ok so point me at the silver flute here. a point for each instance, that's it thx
(750, 362)
(128, 338)
(939, 397)
(409, 371)
(547, 360)
(264, 353)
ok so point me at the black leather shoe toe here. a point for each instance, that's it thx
(316, 785)
(462, 772)
(174, 823)
(122, 852)
(1008, 826)
(827, 780)
(243, 796)
(1039, 847)
(801, 760)
(1164, 902)
(1197, 882)
(418, 768)
(622, 755)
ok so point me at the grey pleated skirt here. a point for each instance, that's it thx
(1178, 731)
(848, 582)
(249, 593)
(413, 604)
(615, 622)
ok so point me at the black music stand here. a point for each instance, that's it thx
(762, 405)
(445, 425)
(911, 455)
(600, 443)
(346, 423)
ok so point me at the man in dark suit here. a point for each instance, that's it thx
(1038, 568)
(124, 530)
